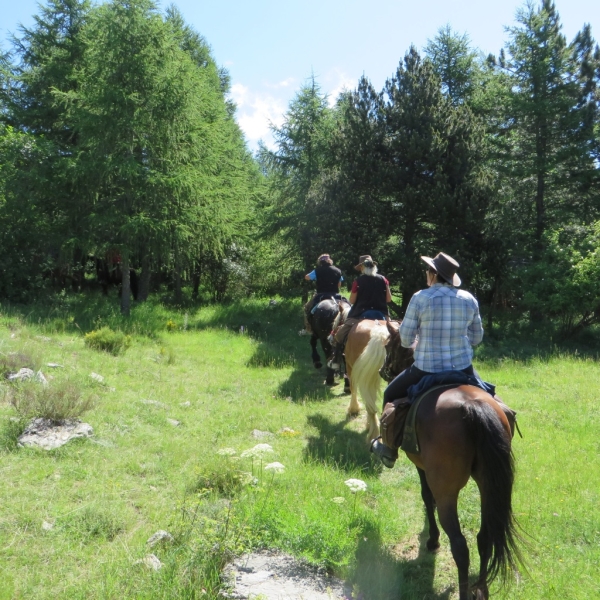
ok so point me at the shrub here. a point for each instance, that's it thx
(107, 340)
(56, 403)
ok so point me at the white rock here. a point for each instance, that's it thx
(151, 561)
(160, 536)
(23, 375)
(40, 378)
(174, 422)
(46, 526)
(259, 435)
(55, 366)
(97, 377)
(48, 435)
(185, 404)
(154, 403)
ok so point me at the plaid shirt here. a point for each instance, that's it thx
(446, 322)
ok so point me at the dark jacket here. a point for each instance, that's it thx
(328, 279)
(371, 295)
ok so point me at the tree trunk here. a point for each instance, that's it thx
(178, 290)
(125, 286)
(145, 276)
(196, 280)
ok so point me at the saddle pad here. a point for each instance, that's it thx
(410, 443)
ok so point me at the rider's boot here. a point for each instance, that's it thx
(387, 456)
(335, 360)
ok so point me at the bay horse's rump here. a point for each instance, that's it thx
(464, 433)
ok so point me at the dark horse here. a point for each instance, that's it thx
(322, 323)
(463, 433)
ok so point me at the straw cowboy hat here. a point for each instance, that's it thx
(364, 259)
(445, 266)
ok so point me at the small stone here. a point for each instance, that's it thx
(259, 435)
(22, 375)
(43, 338)
(55, 366)
(185, 404)
(97, 377)
(47, 526)
(151, 561)
(174, 422)
(160, 536)
(40, 378)
(154, 403)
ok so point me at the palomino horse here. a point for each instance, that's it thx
(463, 433)
(365, 355)
(322, 321)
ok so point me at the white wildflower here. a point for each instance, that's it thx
(227, 452)
(338, 500)
(276, 467)
(356, 485)
(258, 451)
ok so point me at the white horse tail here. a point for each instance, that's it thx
(365, 372)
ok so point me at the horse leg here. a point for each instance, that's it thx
(354, 406)
(448, 515)
(326, 346)
(433, 543)
(484, 546)
(346, 384)
(315, 354)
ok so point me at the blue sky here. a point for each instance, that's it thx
(272, 46)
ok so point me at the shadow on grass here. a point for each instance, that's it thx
(337, 446)
(380, 575)
(274, 328)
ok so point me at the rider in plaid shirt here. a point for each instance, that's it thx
(444, 322)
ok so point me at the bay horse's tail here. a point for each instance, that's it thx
(365, 371)
(494, 472)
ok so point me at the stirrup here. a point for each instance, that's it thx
(383, 453)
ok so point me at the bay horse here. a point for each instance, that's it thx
(365, 355)
(463, 433)
(322, 321)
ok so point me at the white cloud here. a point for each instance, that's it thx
(337, 82)
(256, 111)
(282, 84)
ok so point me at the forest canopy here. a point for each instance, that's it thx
(120, 154)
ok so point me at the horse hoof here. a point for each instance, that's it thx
(318, 365)
(433, 546)
(347, 390)
(331, 382)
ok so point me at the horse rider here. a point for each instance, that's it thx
(445, 324)
(329, 280)
(369, 298)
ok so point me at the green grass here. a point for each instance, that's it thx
(106, 496)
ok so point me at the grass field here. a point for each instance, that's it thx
(105, 496)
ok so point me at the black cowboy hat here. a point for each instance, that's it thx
(445, 266)
(366, 258)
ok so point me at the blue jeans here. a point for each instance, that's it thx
(398, 388)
